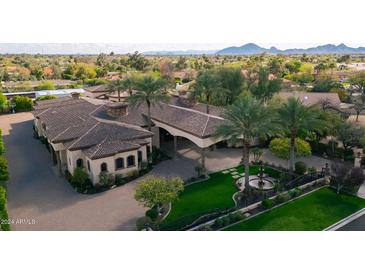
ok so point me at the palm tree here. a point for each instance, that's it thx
(206, 85)
(296, 118)
(149, 92)
(129, 84)
(117, 85)
(246, 120)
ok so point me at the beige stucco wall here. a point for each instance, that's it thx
(38, 126)
(156, 136)
(95, 165)
(72, 157)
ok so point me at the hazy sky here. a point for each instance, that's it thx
(198, 24)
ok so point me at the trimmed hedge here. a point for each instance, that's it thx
(3, 210)
(2, 146)
(22, 103)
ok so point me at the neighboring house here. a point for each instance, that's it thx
(98, 92)
(59, 92)
(103, 136)
(312, 98)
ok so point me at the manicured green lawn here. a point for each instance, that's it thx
(201, 198)
(314, 212)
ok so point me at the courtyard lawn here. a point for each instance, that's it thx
(314, 212)
(208, 196)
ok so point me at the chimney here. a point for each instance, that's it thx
(117, 109)
(75, 95)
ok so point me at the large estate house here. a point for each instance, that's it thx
(103, 136)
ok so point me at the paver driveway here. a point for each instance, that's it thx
(36, 192)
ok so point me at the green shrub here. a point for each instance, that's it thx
(79, 177)
(119, 180)
(144, 165)
(280, 147)
(235, 217)
(284, 178)
(46, 97)
(218, 223)
(280, 198)
(143, 222)
(295, 192)
(106, 179)
(3, 210)
(152, 213)
(4, 173)
(2, 146)
(300, 168)
(22, 103)
(95, 82)
(267, 203)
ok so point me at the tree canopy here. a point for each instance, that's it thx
(154, 190)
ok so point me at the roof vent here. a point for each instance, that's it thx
(117, 109)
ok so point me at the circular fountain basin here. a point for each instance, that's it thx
(254, 182)
(265, 184)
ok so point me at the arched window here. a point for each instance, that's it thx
(131, 161)
(104, 167)
(119, 163)
(79, 163)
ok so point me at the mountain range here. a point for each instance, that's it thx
(249, 49)
(166, 49)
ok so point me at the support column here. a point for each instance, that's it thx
(175, 147)
(59, 166)
(203, 160)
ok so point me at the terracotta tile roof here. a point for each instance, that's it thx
(109, 148)
(82, 125)
(312, 98)
(192, 121)
(72, 123)
(99, 88)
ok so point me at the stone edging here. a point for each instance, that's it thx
(167, 213)
(255, 205)
(346, 220)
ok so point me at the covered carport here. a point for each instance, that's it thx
(193, 125)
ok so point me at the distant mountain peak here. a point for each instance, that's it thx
(251, 48)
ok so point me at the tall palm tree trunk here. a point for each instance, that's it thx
(292, 153)
(207, 103)
(246, 162)
(149, 115)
